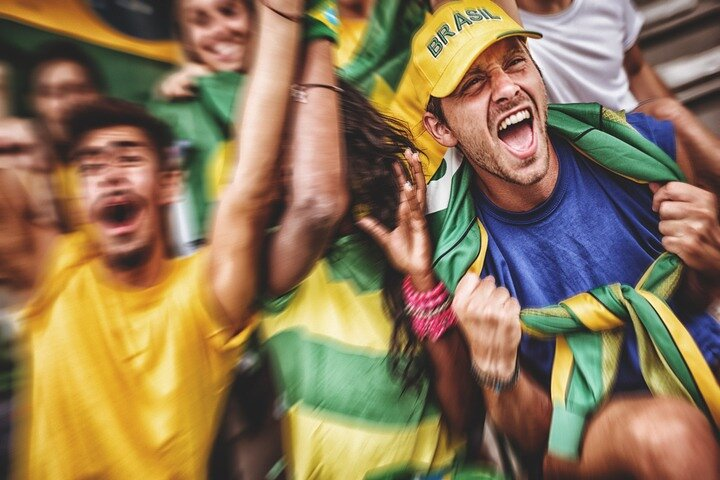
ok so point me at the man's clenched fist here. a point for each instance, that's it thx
(490, 319)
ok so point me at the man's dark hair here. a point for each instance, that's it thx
(64, 51)
(111, 112)
(374, 143)
(435, 107)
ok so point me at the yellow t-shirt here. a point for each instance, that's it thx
(123, 383)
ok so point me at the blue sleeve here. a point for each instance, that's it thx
(660, 132)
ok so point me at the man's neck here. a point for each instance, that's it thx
(543, 7)
(519, 198)
(143, 276)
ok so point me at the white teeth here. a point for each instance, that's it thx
(225, 48)
(513, 119)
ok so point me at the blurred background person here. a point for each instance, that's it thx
(29, 224)
(62, 77)
(198, 100)
(590, 53)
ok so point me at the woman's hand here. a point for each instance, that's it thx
(407, 247)
(180, 85)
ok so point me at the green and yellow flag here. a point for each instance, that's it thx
(130, 40)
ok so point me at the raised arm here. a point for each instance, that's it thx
(242, 214)
(317, 197)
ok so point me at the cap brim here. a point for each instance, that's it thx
(465, 57)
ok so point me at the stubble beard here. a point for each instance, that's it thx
(488, 155)
(130, 260)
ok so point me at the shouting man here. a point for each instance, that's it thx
(130, 352)
(551, 206)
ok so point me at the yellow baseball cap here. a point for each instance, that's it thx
(450, 40)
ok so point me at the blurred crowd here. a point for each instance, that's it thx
(373, 239)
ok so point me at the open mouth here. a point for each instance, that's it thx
(120, 217)
(226, 51)
(517, 133)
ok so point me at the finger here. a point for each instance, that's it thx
(400, 177)
(500, 296)
(404, 209)
(654, 187)
(677, 245)
(416, 211)
(675, 191)
(375, 229)
(463, 292)
(513, 305)
(419, 178)
(675, 228)
(671, 210)
(481, 295)
(407, 153)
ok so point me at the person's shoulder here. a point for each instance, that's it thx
(69, 254)
(72, 250)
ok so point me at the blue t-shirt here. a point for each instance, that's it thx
(596, 228)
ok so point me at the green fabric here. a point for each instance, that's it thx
(322, 20)
(457, 472)
(204, 124)
(384, 51)
(604, 137)
(358, 260)
(350, 258)
(329, 350)
(326, 388)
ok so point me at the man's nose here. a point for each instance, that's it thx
(114, 174)
(217, 29)
(503, 86)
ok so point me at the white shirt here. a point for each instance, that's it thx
(582, 50)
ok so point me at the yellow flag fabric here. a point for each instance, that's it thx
(77, 19)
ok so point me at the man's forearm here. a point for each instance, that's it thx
(522, 413)
(460, 398)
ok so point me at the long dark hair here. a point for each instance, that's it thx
(374, 142)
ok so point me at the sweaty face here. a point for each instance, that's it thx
(217, 31)
(497, 115)
(58, 87)
(118, 167)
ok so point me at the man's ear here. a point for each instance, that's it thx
(439, 131)
(170, 186)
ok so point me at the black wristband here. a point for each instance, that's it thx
(495, 384)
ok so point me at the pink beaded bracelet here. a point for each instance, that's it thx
(430, 312)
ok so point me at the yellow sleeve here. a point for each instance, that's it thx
(68, 253)
(214, 325)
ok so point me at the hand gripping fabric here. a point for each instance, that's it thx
(586, 326)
